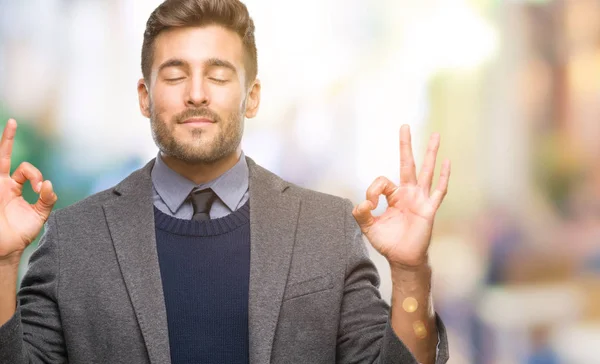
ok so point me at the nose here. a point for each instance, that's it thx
(197, 94)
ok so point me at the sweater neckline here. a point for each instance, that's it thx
(210, 227)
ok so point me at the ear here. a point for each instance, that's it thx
(144, 97)
(253, 99)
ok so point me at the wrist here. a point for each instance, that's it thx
(410, 270)
(11, 261)
(410, 280)
(9, 271)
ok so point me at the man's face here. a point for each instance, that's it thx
(197, 97)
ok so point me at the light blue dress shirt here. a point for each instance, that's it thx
(170, 190)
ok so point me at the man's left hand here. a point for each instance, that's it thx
(403, 232)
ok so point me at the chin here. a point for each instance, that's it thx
(203, 155)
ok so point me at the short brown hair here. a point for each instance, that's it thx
(230, 14)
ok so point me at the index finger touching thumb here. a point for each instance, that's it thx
(47, 199)
(362, 214)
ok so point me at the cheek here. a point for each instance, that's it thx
(166, 103)
(228, 100)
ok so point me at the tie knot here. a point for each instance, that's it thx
(201, 202)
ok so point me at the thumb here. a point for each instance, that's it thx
(46, 201)
(362, 215)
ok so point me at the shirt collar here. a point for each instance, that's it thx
(174, 189)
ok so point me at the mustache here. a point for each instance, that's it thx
(197, 113)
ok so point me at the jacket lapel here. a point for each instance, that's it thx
(273, 220)
(130, 220)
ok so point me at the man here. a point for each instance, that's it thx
(202, 256)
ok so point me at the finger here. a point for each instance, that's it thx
(363, 216)
(6, 144)
(442, 187)
(380, 186)
(27, 172)
(408, 174)
(426, 174)
(46, 201)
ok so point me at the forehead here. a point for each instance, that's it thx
(197, 44)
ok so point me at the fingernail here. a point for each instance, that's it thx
(38, 188)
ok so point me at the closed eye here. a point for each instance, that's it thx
(174, 79)
(218, 80)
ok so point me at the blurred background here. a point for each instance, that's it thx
(512, 86)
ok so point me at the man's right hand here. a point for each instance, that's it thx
(20, 221)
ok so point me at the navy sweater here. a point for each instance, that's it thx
(205, 269)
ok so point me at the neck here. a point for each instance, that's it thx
(202, 172)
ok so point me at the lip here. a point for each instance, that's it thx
(197, 121)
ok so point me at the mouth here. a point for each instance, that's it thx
(197, 121)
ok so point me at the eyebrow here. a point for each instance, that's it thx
(217, 62)
(173, 62)
(211, 62)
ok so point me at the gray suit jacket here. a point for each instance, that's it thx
(93, 293)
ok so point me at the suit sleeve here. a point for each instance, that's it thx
(365, 333)
(34, 334)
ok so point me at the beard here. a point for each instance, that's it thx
(202, 149)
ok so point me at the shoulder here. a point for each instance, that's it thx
(324, 200)
(86, 205)
(266, 180)
(137, 184)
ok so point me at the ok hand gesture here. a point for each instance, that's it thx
(20, 221)
(402, 233)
